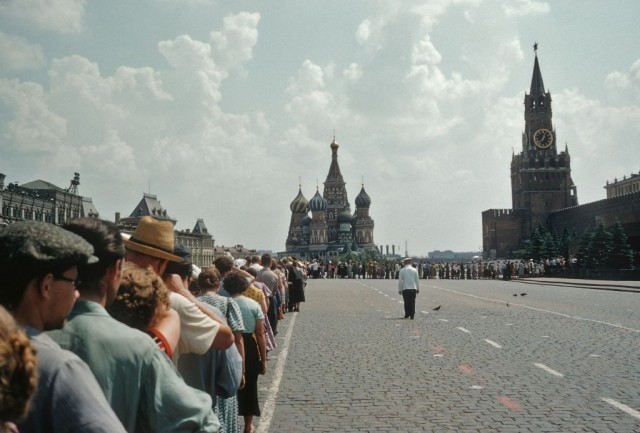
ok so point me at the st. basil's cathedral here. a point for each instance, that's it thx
(331, 229)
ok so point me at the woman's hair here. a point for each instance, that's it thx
(107, 244)
(251, 271)
(235, 282)
(142, 295)
(18, 370)
(223, 264)
(209, 279)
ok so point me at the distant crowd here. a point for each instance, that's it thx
(470, 270)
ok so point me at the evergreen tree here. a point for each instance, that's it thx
(601, 246)
(621, 256)
(563, 247)
(536, 245)
(550, 246)
(583, 254)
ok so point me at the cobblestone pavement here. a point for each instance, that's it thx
(554, 360)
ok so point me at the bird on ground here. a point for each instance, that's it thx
(507, 304)
(437, 308)
(523, 294)
(515, 294)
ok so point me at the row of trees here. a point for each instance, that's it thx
(600, 247)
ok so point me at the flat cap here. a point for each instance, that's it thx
(39, 245)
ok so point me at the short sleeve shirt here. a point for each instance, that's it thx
(197, 330)
(251, 313)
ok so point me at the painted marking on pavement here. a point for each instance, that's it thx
(466, 369)
(623, 407)
(548, 370)
(509, 403)
(493, 343)
(539, 309)
(443, 320)
(278, 372)
(476, 387)
(464, 330)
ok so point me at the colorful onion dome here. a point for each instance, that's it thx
(299, 204)
(363, 199)
(318, 203)
(345, 217)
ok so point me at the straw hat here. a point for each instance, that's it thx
(153, 238)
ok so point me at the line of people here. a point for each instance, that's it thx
(125, 334)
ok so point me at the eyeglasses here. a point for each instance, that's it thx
(76, 282)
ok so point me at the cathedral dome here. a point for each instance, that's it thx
(317, 203)
(363, 199)
(345, 217)
(299, 204)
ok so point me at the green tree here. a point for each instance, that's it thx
(621, 255)
(536, 245)
(583, 254)
(563, 247)
(601, 246)
(550, 246)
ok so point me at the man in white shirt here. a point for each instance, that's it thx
(409, 287)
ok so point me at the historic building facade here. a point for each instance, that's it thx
(331, 229)
(43, 201)
(542, 190)
(199, 239)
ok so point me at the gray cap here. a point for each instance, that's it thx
(39, 245)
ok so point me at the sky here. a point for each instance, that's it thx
(223, 109)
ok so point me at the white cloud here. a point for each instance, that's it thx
(234, 44)
(61, 16)
(628, 80)
(17, 53)
(517, 8)
(29, 126)
(353, 72)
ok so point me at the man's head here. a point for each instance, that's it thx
(38, 270)
(255, 260)
(266, 260)
(102, 278)
(185, 268)
(152, 244)
(407, 261)
(223, 264)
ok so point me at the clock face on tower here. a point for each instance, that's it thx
(543, 138)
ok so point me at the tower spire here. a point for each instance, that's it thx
(537, 85)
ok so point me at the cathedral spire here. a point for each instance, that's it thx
(537, 85)
(334, 169)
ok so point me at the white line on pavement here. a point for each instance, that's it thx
(539, 309)
(493, 343)
(270, 401)
(548, 370)
(623, 407)
(464, 330)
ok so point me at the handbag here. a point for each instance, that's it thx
(228, 371)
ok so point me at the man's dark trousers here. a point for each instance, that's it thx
(409, 297)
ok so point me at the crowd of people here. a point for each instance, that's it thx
(469, 270)
(103, 332)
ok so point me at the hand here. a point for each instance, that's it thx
(242, 382)
(263, 368)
